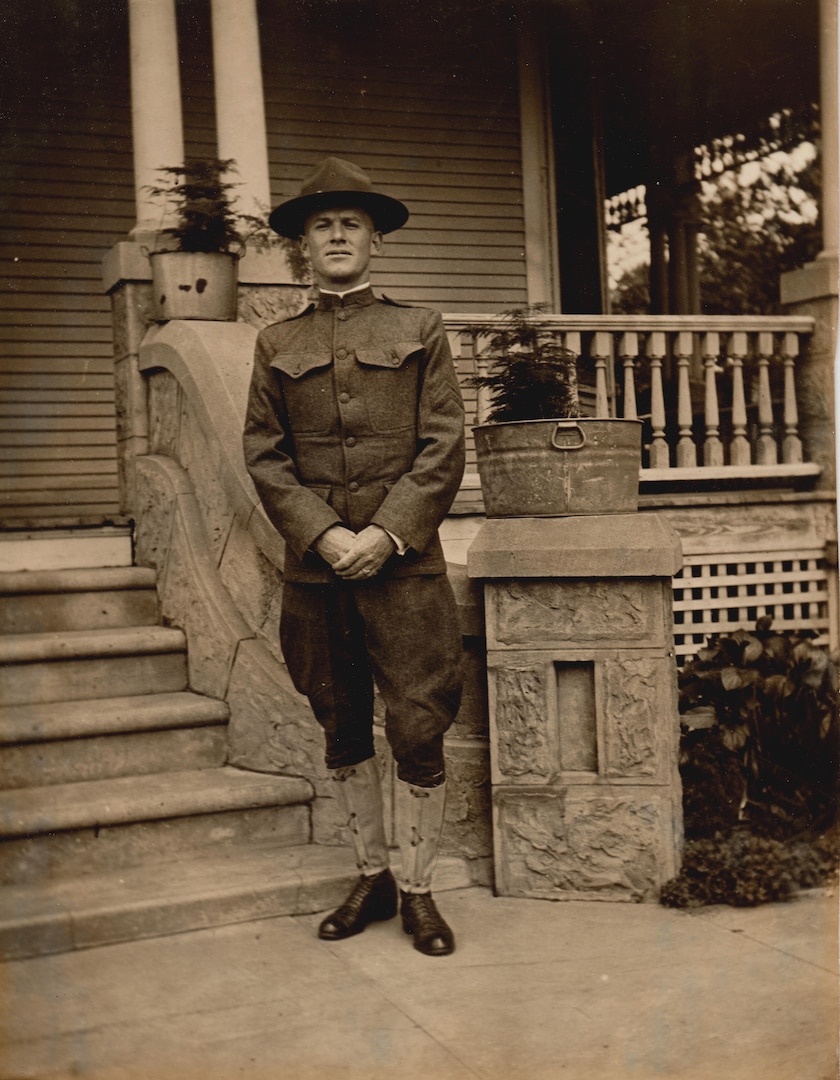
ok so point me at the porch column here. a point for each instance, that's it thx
(157, 128)
(829, 132)
(678, 267)
(813, 289)
(240, 107)
(541, 259)
(659, 296)
(684, 284)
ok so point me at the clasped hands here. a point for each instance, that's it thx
(355, 556)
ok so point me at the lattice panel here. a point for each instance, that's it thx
(719, 593)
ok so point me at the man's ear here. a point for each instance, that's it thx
(376, 242)
(304, 245)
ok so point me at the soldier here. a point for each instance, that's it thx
(354, 438)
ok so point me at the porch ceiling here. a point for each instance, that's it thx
(677, 72)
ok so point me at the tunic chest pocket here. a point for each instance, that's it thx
(390, 374)
(308, 390)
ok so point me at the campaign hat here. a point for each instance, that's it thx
(335, 182)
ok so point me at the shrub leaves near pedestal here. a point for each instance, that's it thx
(761, 784)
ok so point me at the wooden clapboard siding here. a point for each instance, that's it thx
(427, 103)
(66, 193)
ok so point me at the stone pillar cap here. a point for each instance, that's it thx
(591, 546)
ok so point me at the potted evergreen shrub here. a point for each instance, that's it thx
(194, 268)
(536, 455)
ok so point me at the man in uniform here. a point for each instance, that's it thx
(354, 438)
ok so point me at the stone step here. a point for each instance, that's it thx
(196, 892)
(72, 665)
(104, 716)
(40, 601)
(63, 741)
(95, 826)
(40, 549)
(98, 757)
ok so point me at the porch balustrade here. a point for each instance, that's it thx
(717, 394)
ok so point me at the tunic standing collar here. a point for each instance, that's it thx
(358, 298)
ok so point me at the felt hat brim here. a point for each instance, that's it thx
(289, 218)
(337, 183)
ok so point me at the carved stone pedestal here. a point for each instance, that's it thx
(584, 729)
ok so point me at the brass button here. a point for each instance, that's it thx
(340, 353)
(353, 486)
(342, 316)
(343, 397)
(350, 441)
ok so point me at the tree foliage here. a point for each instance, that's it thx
(758, 220)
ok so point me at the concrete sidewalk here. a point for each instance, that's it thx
(535, 991)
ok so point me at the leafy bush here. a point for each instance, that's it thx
(712, 782)
(745, 870)
(760, 785)
(775, 699)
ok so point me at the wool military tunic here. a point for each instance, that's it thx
(355, 417)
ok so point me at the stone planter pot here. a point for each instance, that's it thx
(194, 285)
(555, 468)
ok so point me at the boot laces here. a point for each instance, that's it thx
(424, 913)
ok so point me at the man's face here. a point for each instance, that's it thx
(340, 244)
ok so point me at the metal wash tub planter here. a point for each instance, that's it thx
(194, 285)
(555, 468)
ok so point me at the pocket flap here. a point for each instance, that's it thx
(391, 355)
(298, 364)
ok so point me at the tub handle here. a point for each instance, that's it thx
(565, 425)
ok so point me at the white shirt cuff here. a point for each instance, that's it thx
(402, 547)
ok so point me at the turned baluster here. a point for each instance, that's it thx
(482, 366)
(791, 444)
(571, 342)
(601, 353)
(628, 351)
(767, 452)
(659, 455)
(686, 450)
(739, 450)
(712, 447)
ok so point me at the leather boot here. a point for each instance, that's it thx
(418, 814)
(421, 918)
(374, 896)
(373, 899)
